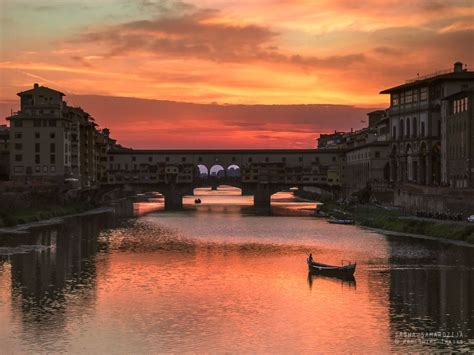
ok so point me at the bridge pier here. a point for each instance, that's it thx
(174, 196)
(173, 201)
(262, 196)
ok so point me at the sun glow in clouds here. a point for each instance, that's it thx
(246, 52)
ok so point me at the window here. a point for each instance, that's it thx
(37, 135)
(18, 146)
(422, 130)
(377, 154)
(18, 157)
(267, 159)
(51, 123)
(52, 159)
(134, 158)
(36, 123)
(394, 132)
(333, 158)
(52, 135)
(167, 159)
(37, 159)
(52, 169)
(111, 158)
(424, 94)
(415, 96)
(183, 159)
(18, 169)
(250, 160)
(150, 159)
(37, 147)
(408, 97)
(18, 135)
(45, 168)
(300, 159)
(52, 147)
(395, 101)
(37, 169)
(283, 159)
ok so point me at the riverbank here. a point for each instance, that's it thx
(31, 218)
(394, 220)
(16, 217)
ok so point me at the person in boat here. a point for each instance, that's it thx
(310, 258)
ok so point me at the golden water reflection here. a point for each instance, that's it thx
(214, 278)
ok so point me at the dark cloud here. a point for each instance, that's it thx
(81, 60)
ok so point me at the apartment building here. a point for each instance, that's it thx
(40, 137)
(52, 142)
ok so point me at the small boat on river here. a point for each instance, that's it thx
(340, 221)
(331, 270)
(197, 201)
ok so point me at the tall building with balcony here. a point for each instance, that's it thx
(416, 130)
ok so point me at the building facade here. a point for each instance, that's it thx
(53, 142)
(415, 125)
(458, 123)
(4, 152)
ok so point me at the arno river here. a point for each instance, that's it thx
(217, 278)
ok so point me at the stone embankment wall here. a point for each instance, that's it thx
(435, 199)
(22, 197)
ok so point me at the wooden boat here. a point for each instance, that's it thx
(331, 270)
(340, 221)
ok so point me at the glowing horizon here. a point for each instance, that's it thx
(292, 52)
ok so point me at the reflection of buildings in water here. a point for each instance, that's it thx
(45, 283)
(434, 297)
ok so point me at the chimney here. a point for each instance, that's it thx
(36, 84)
(457, 67)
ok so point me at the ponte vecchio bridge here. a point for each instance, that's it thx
(260, 173)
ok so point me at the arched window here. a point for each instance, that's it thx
(415, 127)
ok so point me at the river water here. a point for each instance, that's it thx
(219, 278)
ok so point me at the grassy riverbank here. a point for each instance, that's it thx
(397, 221)
(13, 218)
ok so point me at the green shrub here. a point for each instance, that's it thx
(8, 220)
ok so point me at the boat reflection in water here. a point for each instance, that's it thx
(345, 281)
(215, 279)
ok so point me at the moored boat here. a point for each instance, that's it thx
(331, 270)
(340, 221)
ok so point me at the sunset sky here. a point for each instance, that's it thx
(227, 52)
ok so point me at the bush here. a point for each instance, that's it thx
(8, 220)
